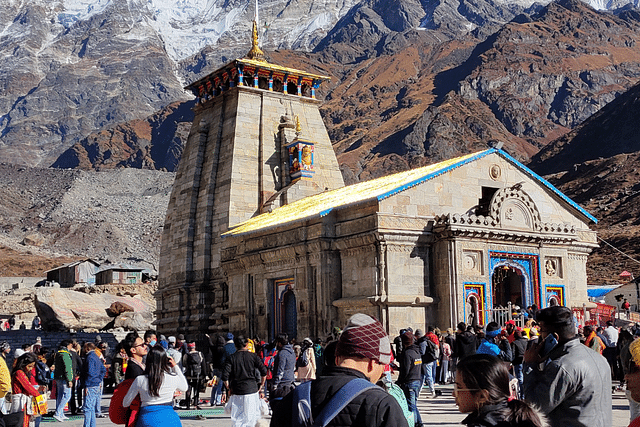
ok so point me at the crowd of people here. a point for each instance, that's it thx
(548, 372)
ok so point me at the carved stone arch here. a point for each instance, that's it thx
(513, 208)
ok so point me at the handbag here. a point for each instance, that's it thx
(40, 406)
(21, 402)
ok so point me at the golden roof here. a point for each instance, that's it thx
(321, 204)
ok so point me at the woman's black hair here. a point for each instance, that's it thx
(157, 365)
(487, 372)
(23, 361)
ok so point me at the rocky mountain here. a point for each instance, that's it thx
(114, 215)
(598, 165)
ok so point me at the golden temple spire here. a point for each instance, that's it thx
(255, 53)
(298, 126)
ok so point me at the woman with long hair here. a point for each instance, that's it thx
(482, 389)
(21, 386)
(162, 377)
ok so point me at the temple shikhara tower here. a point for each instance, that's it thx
(262, 236)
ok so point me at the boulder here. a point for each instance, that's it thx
(133, 322)
(117, 308)
(33, 240)
(64, 309)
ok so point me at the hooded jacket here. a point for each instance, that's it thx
(465, 345)
(372, 408)
(285, 366)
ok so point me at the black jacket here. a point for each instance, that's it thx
(410, 361)
(519, 346)
(372, 408)
(243, 370)
(465, 345)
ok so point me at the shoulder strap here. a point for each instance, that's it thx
(302, 405)
(342, 398)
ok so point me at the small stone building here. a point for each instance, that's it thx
(262, 236)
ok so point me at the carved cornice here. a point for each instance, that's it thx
(487, 227)
(384, 300)
(354, 241)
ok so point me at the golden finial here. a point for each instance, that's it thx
(255, 53)
(298, 126)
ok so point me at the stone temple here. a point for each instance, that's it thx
(262, 236)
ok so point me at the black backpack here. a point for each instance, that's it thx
(43, 373)
(431, 353)
(303, 360)
(194, 364)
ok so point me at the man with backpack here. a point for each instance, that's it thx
(430, 350)
(346, 395)
(195, 369)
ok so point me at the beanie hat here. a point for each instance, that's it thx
(229, 336)
(164, 344)
(493, 330)
(172, 339)
(364, 336)
(419, 333)
(191, 345)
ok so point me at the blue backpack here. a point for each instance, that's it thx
(301, 413)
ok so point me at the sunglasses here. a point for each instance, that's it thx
(457, 389)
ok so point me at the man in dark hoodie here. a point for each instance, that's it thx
(284, 367)
(410, 378)
(465, 342)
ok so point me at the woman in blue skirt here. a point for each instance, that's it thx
(162, 377)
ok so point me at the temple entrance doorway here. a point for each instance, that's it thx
(508, 283)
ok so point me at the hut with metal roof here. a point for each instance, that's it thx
(74, 273)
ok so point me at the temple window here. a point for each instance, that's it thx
(292, 88)
(485, 201)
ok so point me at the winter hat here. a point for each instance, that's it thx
(181, 337)
(172, 339)
(191, 345)
(229, 336)
(493, 330)
(419, 333)
(4, 346)
(307, 341)
(164, 344)
(364, 336)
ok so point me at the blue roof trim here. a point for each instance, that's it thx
(436, 173)
(325, 212)
(548, 185)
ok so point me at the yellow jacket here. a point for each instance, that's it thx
(5, 378)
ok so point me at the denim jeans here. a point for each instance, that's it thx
(216, 391)
(430, 375)
(517, 372)
(411, 392)
(91, 405)
(62, 396)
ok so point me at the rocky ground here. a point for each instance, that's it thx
(113, 215)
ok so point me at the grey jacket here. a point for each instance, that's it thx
(573, 387)
(284, 366)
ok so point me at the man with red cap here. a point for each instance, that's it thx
(362, 352)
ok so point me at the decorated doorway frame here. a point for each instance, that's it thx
(475, 297)
(528, 264)
(284, 307)
(555, 295)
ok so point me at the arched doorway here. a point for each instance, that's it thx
(472, 311)
(508, 283)
(290, 314)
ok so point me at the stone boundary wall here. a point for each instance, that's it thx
(51, 340)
